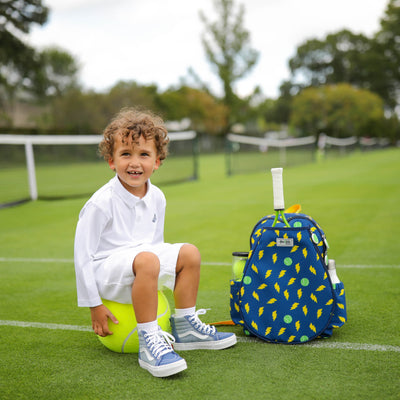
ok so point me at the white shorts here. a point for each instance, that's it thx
(114, 275)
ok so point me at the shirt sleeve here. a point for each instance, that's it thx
(88, 231)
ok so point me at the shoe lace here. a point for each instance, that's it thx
(201, 326)
(159, 343)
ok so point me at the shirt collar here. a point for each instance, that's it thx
(129, 199)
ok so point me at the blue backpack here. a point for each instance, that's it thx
(286, 293)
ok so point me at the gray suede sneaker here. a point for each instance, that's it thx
(192, 334)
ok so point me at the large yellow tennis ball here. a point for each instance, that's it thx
(125, 337)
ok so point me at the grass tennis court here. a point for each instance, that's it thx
(47, 350)
(77, 179)
(255, 161)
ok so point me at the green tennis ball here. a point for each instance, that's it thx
(238, 268)
(125, 337)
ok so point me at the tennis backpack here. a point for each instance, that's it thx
(289, 291)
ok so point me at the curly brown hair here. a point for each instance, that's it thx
(135, 122)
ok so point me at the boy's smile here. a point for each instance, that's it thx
(134, 163)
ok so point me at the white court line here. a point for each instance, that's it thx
(325, 344)
(328, 344)
(369, 266)
(23, 324)
(337, 265)
(36, 260)
(70, 260)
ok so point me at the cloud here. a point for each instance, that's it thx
(155, 41)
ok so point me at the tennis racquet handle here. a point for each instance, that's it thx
(277, 187)
(332, 271)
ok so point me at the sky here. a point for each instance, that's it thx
(157, 41)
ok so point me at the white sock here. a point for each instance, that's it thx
(149, 327)
(181, 312)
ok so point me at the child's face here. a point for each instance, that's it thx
(134, 163)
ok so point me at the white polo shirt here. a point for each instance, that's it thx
(114, 219)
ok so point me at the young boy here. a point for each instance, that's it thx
(120, 253)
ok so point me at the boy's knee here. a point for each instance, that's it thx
(189, 254)
(146, 263)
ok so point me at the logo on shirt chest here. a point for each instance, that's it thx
(154, 218)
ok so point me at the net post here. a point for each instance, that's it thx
(30, 164)
(228, 156)
(196, 151)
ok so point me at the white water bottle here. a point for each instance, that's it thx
(332, 272)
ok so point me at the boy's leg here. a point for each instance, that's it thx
(187, 277)
(155, 351)
(189, 332)
(146, 268)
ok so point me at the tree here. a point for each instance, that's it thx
(337, 110)
(18, 61)
(388, 42)
(56, 74)
(280, 112)
(368, 63)
(335, 59)
(205, 113)
(227, 46)
(76, 112)
(344, 57)
(81, 112)
(126, 93)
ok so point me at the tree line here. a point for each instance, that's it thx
(346, 84)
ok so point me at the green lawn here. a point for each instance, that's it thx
(78, 179)
(355, 200)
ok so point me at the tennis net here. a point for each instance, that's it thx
(64, 166)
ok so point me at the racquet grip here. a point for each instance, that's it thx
(277, 187)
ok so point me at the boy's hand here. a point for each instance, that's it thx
(100, 315)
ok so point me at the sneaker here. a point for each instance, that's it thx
(192, 334)
(157, 355)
